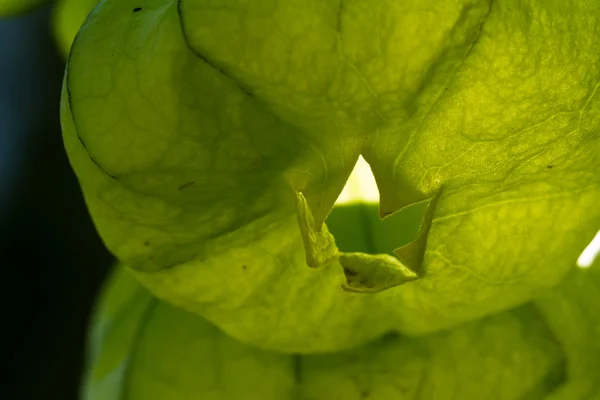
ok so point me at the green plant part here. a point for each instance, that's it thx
(142, 348)
(67, 18)
(12, 8)
(146, 349)
(212, 138)
(570, 311)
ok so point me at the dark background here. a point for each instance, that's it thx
(51, 259)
